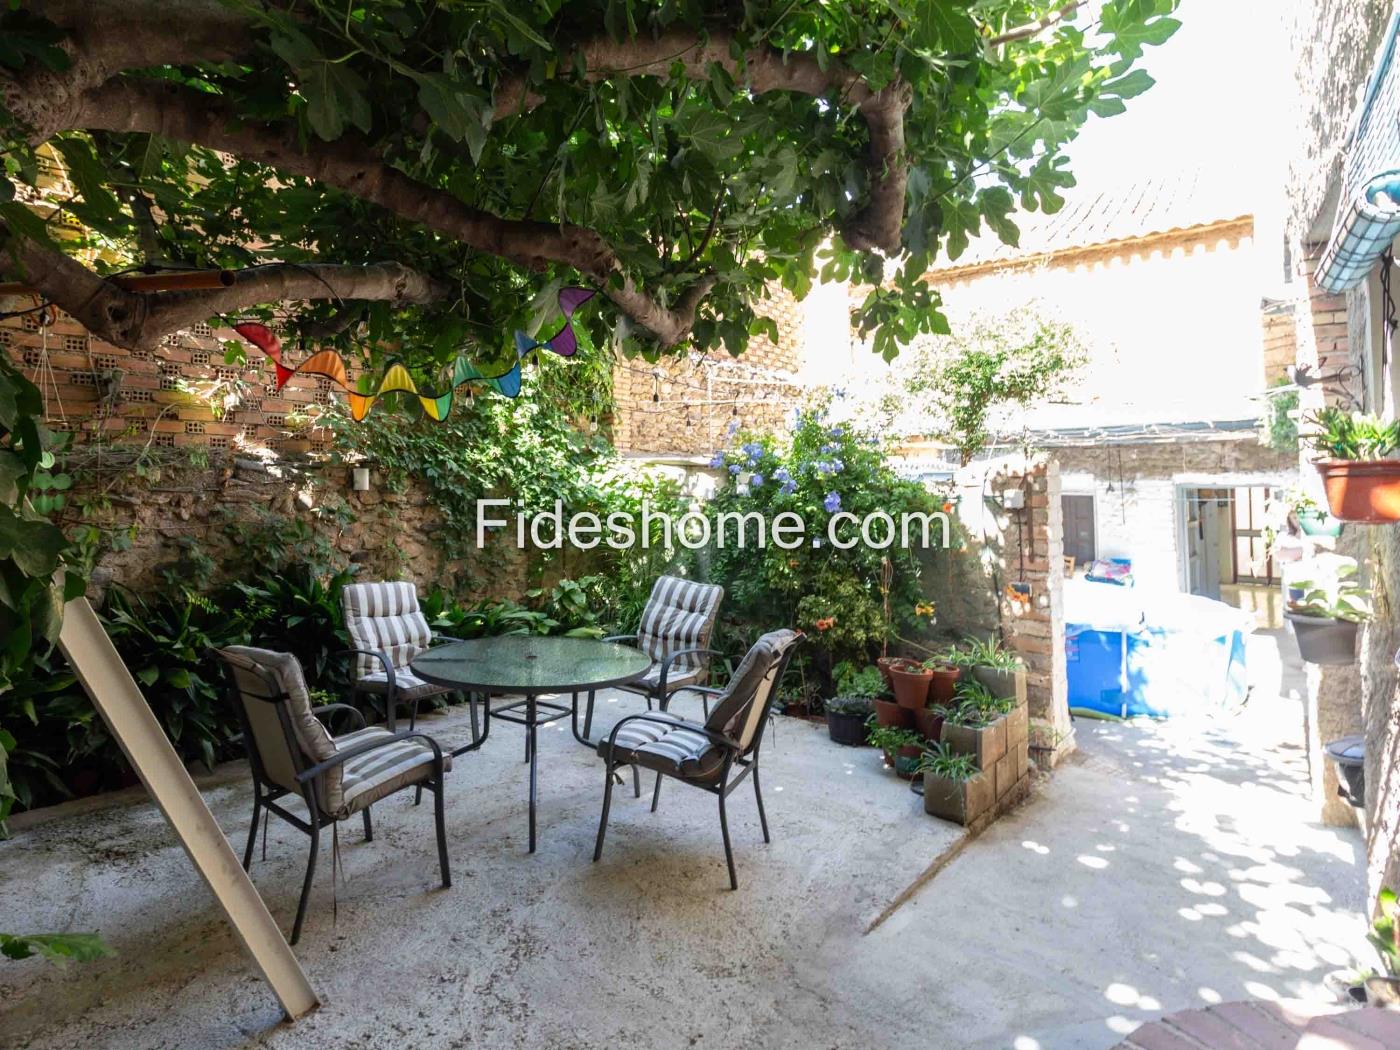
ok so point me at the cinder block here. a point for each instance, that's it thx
(1004, 773)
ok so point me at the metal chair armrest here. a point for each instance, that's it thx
(438, 636)
(621, 638)
(384, 662)
(370, 745)
(709, 734)
(672, 657)
(355, 711)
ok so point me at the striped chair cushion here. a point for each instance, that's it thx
(680, 614)
(650, 682)
(738, 713)
(674, 748)
(379, 773)
(384, 617)
(407, 685)
(312, 740)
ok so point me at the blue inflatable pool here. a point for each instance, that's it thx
(1130, 655)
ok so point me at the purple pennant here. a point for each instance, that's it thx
(563, 342)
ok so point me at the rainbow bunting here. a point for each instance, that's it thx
(330, 365)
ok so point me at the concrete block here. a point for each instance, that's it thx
(963, 802)
(986, 745)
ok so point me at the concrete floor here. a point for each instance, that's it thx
(1165, 867)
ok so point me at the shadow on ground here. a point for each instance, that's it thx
(1168, 866)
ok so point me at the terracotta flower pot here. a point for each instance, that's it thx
(889, 713)
(1364, 490)
(945, 682)
(911, 686)
(927, 723)
(884, 664)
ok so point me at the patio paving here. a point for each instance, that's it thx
(1169, 867)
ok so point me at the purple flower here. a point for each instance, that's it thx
(756, 480)
(730, 430)
(718, 460)
(832, 503)
(837, 466)
(837, 433)
(781, 474)
(734, 468)
(789, 487)
(829, 449)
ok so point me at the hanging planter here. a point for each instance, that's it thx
(1323, 640)
(1362, 482)
(1325, 614)
(1316, 522)
(1363, 491)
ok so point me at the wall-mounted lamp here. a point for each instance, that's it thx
(359, 479)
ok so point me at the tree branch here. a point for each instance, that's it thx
(108, 38)
(1037, 27)
(349, 164)
(879, 224)
(140, 320)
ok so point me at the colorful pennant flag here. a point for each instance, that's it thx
(330, 365)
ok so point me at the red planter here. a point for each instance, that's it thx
(889, 713)
(1362, 490)
(911, 687)
(945, 682)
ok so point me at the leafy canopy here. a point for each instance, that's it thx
(567, 116)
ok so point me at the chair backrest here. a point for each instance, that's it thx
(384, 617)
(282, 735)
(680, 614)
(740, 710)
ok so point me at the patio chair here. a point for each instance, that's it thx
(384, 618)
(705, 755)
(675, 629)
(292, 753)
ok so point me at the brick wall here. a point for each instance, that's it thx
(687, 405)
(182, 395)
(1034, 554)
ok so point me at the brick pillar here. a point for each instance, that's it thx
(1033, 554)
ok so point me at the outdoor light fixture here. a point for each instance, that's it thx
(359, 479)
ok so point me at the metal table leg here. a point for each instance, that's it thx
(477, 741)
(532, 750)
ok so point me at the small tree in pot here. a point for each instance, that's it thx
(1325, 614)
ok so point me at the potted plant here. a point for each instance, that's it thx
(1385, 935)
(911, 683)
(890, 714)
(1325, 617)
(846, 717)
(975, 724)
(945, 673)
(928, 722)
(993, 665)
(954, 788)
(1359, 475)
(901, 747)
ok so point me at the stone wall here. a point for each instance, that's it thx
(1135, 492)
(687, 405)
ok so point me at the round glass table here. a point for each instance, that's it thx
(530, 666)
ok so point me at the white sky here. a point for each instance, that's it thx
(1219, 103)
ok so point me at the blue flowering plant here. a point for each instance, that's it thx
(818, 470)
